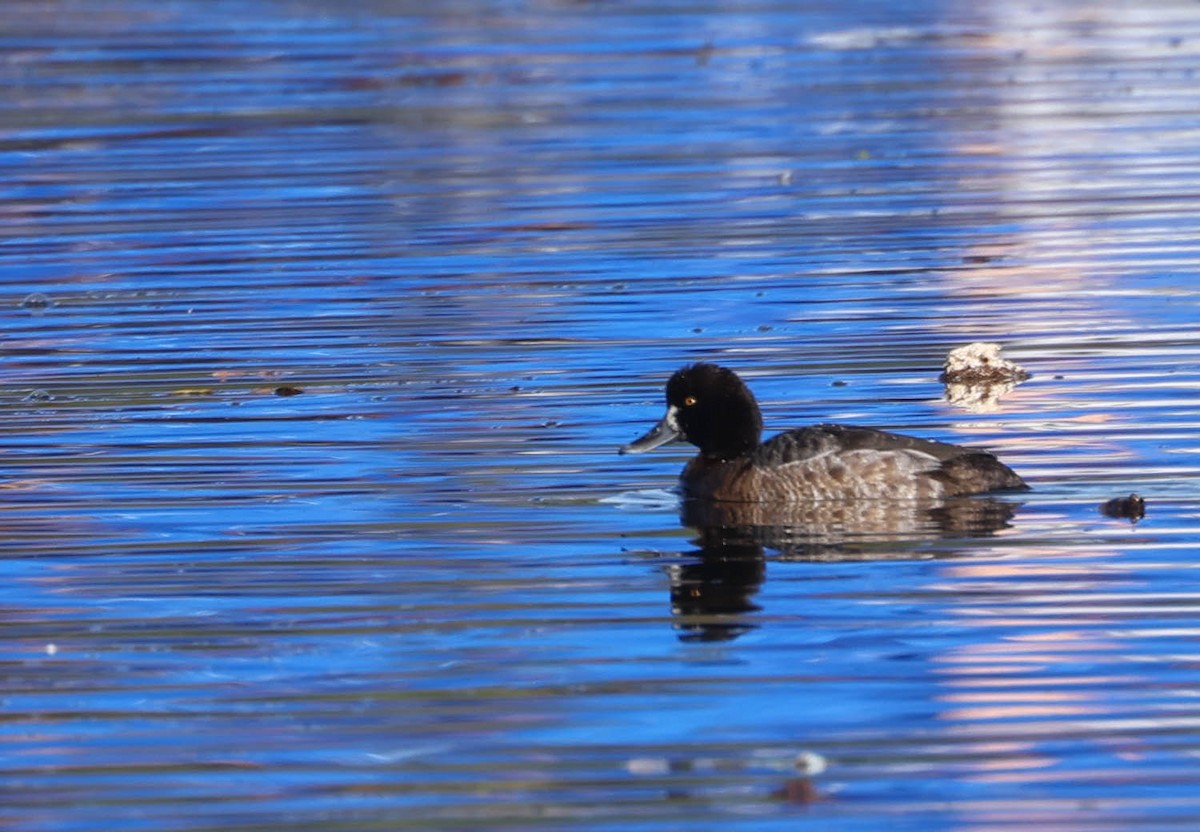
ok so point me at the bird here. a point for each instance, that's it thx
(713, 409)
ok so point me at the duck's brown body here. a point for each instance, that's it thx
(840, 462)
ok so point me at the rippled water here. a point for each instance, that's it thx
(322, 324)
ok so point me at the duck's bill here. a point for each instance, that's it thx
(662, 433)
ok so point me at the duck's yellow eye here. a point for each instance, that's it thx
(689, 401)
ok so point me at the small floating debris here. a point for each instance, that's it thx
(727, 775)
(288, 390)
(976, 376)
(37, 303)
(648, 766)
(1131, 508)
(811, 763)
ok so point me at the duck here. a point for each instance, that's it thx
(711, 407)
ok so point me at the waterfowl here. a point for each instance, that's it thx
(710, 407)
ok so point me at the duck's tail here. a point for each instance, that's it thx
(976, 472)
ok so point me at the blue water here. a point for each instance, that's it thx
(321, 326)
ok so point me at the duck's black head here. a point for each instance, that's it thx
(710, 407)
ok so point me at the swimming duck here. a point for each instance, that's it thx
(710, 407)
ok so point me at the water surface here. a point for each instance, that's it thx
(321, 327)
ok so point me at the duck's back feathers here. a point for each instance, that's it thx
(805, 443)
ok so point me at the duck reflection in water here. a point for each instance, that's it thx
(712, 595)
(827, 492)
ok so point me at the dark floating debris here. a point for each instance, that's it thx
(1131, 508)
(976, 376)
(288, 390)
(37, 303)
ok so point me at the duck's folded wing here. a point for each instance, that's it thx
(807, 443)
(963, 470)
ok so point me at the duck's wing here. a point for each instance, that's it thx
(804, 444)
(963, 470)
